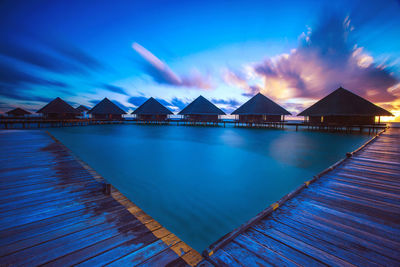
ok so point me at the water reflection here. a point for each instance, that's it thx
(202, 182)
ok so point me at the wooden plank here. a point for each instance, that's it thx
(371, 231)
(49, 227)
(86, 253)
(53, 211)
(245, 257)
(302, 245)
(350, 215)
(163, 259)
(282, 249)
(348, 243)
(311, 240)
(32, 251)
(138, 256)
(121, 250)
(262, 251)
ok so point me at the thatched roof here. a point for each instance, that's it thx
(18, 112)
(152, 107)
(342, 102)
(82, 108)
(260, 105)
(201, 106)
(57, 106)
(106, 107)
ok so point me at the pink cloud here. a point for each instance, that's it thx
(163, 74)
(324, 60)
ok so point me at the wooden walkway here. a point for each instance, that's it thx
(53, 212)
(349, 216)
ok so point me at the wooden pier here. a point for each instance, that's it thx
(348, 215)
(40, 123)
(54, 211)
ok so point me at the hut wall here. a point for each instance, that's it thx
(202, 118)
(353, 120)
(59, 116)
(107, 116)
(152, 117)
(343, 120)
(11, 115)
(260, 118)
(314, 119)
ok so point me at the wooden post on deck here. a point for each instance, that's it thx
(107, 189)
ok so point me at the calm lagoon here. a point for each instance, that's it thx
(203, 182)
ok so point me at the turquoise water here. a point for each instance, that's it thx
(203, 182)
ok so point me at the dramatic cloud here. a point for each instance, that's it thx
(115, 89)
(77, 55)
(161, 73)
(11, 77)
(228, 105)
(231, 102)
(21, 95)
(180, 104)
(120, 105)
(137, 100)
(175, 103)
(325, 59)
(39, 59)
(163, 102)
(238, 79)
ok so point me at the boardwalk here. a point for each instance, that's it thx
(349, 216)
(53, 211)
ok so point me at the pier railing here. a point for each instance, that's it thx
(29, 123)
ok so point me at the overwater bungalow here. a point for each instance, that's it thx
(81, 109)
(18, 113)
(343, 107)
(201, 110)
(260, 109)
(152, 110)
(58, 109)
(106, 110)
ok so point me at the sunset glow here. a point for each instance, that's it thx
(293, 53)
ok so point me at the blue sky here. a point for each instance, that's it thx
(294, 52)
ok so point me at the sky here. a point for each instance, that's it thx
(294, 52)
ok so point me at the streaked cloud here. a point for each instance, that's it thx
(227, 105)
(114, 88)
(325, 59)
(137, 100)
(163, 74)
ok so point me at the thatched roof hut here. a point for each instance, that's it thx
(260, 109)
(82, 109)
(343, 107)
(106, 110)
(18, 112)
(58, 109)
(201, 110)
(152, 110)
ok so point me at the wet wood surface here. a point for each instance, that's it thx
(349, 216)
(53, 211)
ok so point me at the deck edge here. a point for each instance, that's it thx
(184, 251)
(207, 253)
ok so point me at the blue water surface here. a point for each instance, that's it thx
(203, 182)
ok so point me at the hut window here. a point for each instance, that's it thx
(322, 119)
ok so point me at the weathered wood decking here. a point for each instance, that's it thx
(53, 211)
(349, 216)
